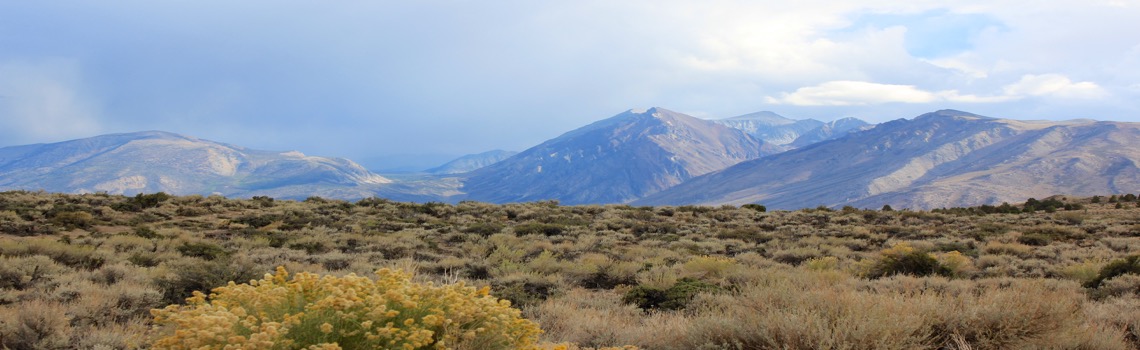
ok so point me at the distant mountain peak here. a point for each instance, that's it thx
(771, 127)
(651, 111)
(768, 117)
(950, 113)
(471, 162)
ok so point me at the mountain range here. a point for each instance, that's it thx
(644, 157)
(615, 160)
(941, 159)
(154, 161)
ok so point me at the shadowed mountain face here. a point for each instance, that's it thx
(941, 159)
(158, 161)
(615, 160)
(771, 127)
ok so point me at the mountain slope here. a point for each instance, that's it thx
(155, 161)
(771, 127)
(941, 159)
(615, 160)
(471, 162)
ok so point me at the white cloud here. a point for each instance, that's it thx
(1054, 85)
(848, 93)
(858, 93)
(43, 101)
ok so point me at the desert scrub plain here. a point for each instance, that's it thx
(86, 271)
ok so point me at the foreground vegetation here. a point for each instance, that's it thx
(85, 271)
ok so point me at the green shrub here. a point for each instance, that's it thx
(535, 228)
(74, 219)
(145, 232)
(676, 297)
(902, 259)
(526, 290)
(1035, 239)
(1129, 265)
(144, 259)
(484, 229)
(204, 250)
(141, 201)
(189, 275)
(756, 207)
(257, 221)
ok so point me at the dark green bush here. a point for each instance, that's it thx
(74, 219)
(204, 250)
(192, 275)
(535, 228)
(606, 280)
(141, 201)
(527, 292)
(257, 221)
(915, 263)
(675, 297)
(144, 259)
(1129, 265)
(484, 229)
(756, 207)
(1035, 239)
(374, 202)
(310, 247)
(191, 211)
(263, 201)
(145, 232)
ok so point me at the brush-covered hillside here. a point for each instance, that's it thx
(84, 271)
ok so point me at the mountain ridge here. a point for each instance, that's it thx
(153, 161)
(917, 164)
(646, 157)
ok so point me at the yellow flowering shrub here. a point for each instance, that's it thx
(827, 263)
(956, 264)
(309, 311)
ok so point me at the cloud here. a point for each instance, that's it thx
(860, 93)
(43, 101)
(1054, 85)
(847, 93)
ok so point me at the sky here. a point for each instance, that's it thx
(398, 84)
